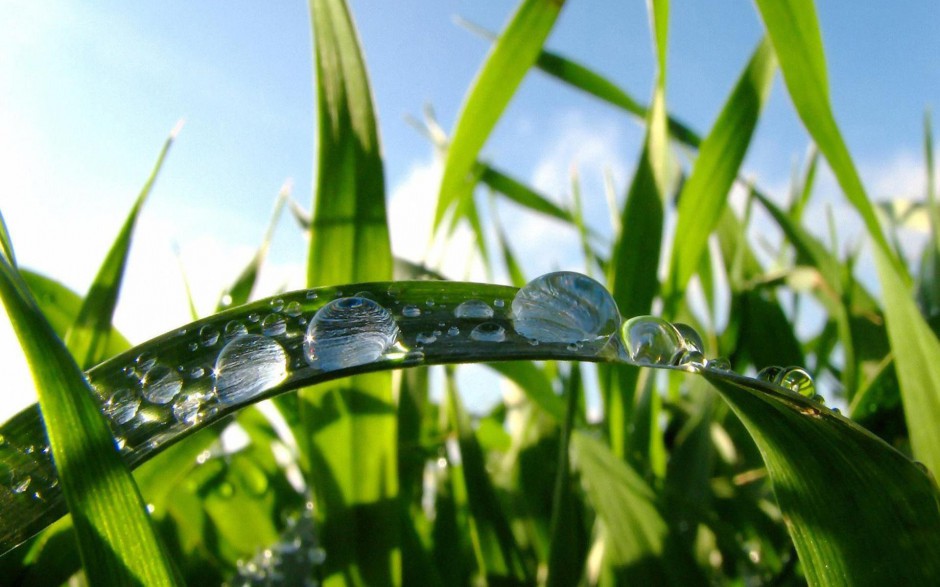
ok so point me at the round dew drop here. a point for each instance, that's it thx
(564, 307)
(160, 384)
(798, 380)
(348, 332)
(411, 311)
(473, 309)
(122, 406)
(488, 332)
(651, 341)
(274, 325)
(248, 366)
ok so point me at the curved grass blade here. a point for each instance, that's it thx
(87, 339)
(117, 541)
(522, 194)
(704, 194)
(859, 512)
(794, 29)
(348, 429)
(508, 61)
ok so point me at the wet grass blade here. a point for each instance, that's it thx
(509, 60)
(706, 191)
(88, 337)
(859, 512)
(117, 541)
(349, 428)
(794, 30)
(522, 194)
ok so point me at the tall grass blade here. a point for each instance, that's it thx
(705, 192)
(117, 541)
(349, 427)
(794, 29)
(859, 512)
(6, 243)
(511, 57)
(88, 337)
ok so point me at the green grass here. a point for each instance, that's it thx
(687, 477)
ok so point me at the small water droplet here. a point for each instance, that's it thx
(312, 294)
(254, 317)
(564, 307)
(348, 332)
(122, 406)
(247, 366)
(293, 309)
(186, 408)
(21, 484)
(145, 361)
(429, 303)
(208, 335)
(453, 331)
(193, 346)
(488, 332)
(473, 309)
(274, 325)
(499, 303)
(233, 329)
(411, 311)
(650, 340)
(770, 373)
(425, 338)
(277, 304)
(798, 380)
(160, 384)
(719, 364)
(196, 372)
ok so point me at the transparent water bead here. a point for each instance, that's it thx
(160, 384)
(274, 325)
(564, 307)
(411, 311)
(473, 309)
(488, 332)
(348, 332)
(651, 341)
(693, 349)
(122, 406)
(793, 378)
(247, 366)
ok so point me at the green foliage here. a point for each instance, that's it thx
(366, 478)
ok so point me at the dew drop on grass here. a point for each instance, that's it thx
(233, 329)
(651, 341)
(770, 374)
(426, 338)
(273, 325)
(247, 366)
(693, 349)
(453, 331)
(488, 332)
(21, 484)
(348, 332)
(411, 311)
(293, 309)
(473, 309)
(122, 406)
(208, 335)
(798, 380)
(187, 408)
(160, 384)
(719, 364)
(564, 307)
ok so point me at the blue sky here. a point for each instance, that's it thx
(88, 92)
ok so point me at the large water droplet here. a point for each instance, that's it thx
(488, 332)
(473, 309)
(247, 366)
(651, 341)
(122, 406)
(160, 384)
(348, 332)
(693, 349)
(208, 335)
(564, 307)
(798, 380)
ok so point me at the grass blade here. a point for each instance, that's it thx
(349, 427)
(509, 60)
(117, 541)
(88, 337)
(6, 244)
(794, 29)
(846, 496)
(704, 194)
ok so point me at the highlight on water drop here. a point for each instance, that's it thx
(473, 309)
(247, 366)
(651, 341)
(488, 332)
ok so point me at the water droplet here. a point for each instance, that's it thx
(277, 304)
(429, 303)
(247, 366)
(411, 311)
(651, 341)
(122, 406)
(254, 317)
(564, 307)
(453, 331)
(233, 329)
(719, 364)
(274, 325)
(160, 384)
(488, 332)
(145, 361)
(798, 380)
(473, 309)
(186, 408)
(348, 332)
(208, 335)
(293, 309)
(499, 303)
(426, 338)
(693, 349)
(770, 374)
(312, 294)
(196, 372)
(21, 484)
(193, 346)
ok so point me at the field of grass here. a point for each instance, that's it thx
(172, 472)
